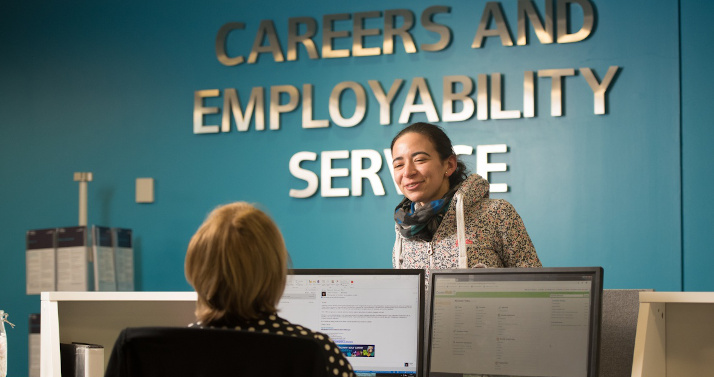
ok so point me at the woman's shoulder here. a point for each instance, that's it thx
(269, 323)
(337, 364)
(285, 327)
(474, 188)
(495, 208)
(274, 324)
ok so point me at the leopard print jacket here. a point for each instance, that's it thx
(495, 235)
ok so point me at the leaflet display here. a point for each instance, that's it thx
(124, 259)
(73, 259)
(78, 259)
(103, 249)
(40, 260)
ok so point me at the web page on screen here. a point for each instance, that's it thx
(510, 328)
(374, 319)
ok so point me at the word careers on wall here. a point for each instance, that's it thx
(458, 90)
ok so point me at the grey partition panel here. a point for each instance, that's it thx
(617, 333)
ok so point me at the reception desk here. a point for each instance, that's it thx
(675, 334)
(98, 317)
(674, 337)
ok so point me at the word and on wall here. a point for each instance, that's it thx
(397, 26)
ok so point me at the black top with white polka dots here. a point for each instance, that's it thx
(337, 364)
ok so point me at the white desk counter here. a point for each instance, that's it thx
(98, 317)
(675, 335)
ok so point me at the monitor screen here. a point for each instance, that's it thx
(514, 322)
(374, 316)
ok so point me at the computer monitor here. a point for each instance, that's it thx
(514, 322)
(375, 316)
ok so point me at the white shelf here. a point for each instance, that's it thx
(118, 296)
(98, 317)
(675, 297)
(675, 334)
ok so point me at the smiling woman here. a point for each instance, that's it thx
(446, 219)
(421, 173)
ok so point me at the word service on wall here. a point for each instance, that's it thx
(463, 97)
(358, 174)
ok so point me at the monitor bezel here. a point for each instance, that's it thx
(523, 273)
(384, 271)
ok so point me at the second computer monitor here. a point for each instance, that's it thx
(514, 322)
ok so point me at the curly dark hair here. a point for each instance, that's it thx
(443, 147)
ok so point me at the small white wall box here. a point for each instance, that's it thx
(145, 190)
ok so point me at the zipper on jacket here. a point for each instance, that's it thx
(431, 255)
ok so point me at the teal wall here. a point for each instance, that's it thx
(108, 87)
(697, 135)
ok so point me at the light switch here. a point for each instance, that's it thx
(145, 190)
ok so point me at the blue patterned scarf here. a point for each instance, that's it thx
(421, 223)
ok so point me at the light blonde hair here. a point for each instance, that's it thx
(237, 263)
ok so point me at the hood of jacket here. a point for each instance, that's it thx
(474, 188)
